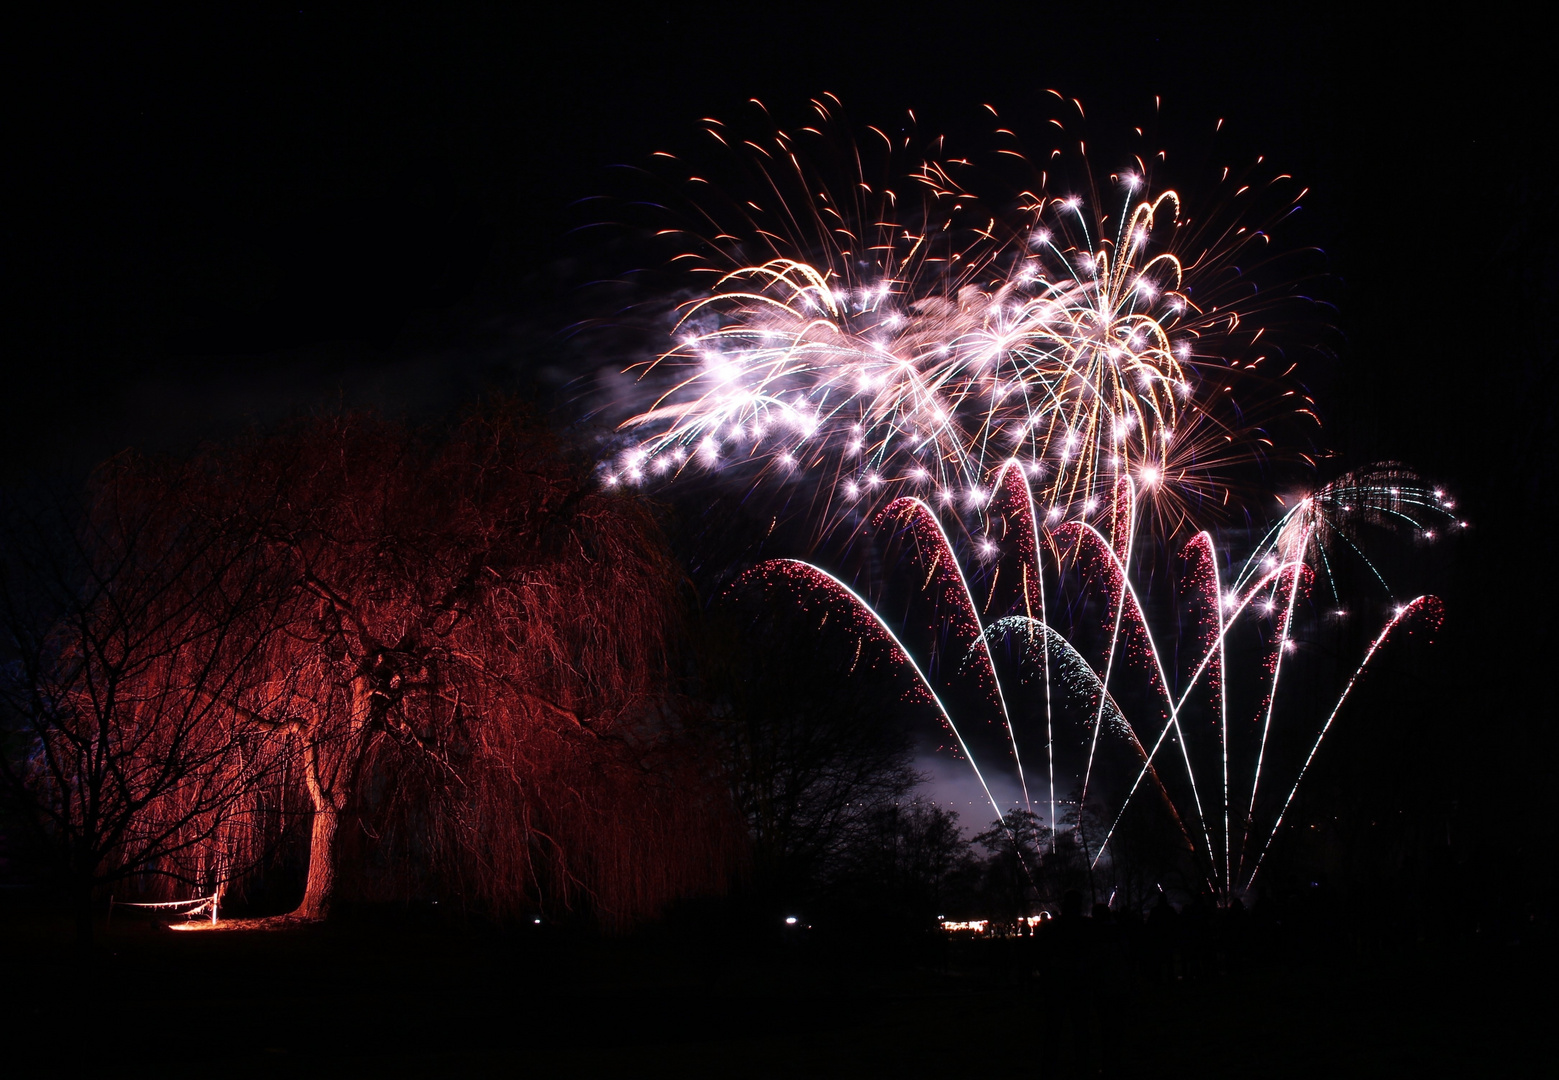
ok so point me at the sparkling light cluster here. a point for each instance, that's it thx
(1055, 374)
(903, 345)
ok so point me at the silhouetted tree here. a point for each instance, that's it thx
(124, 623)
(815, 750)
(909, 864)
(1014, 853)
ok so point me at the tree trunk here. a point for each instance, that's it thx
(321, 888)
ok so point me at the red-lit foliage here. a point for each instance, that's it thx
(460, 650)
(124, 625)
(474, 659)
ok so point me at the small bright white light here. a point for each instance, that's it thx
(946, 495)
(1091, 505)
(1231, 599)
(851, 490)
(1289, 646)
(1054, 512)
(988, 547)
(1266, 608)
(873, 479)
(790, 920)
(1149, 475)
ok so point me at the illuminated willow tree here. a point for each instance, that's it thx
(474, 655)
(450, 638)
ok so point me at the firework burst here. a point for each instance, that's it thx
(896, 338)
(1182, 745)
(1079, 372)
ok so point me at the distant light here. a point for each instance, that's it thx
(536, 921)
(790, 920)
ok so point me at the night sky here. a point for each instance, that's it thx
(218, 220)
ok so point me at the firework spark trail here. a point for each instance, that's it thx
(1412, 607)
(1204, 540)
(1085, 680)
(815, 576)
(1089, 683)
(1216, 649)
(1029, 514)
(1295, 575)
(917, 513)
(1124, 591)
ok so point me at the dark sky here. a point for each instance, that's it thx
(220, 218)
(221, 215)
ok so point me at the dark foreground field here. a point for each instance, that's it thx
(397, 997)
